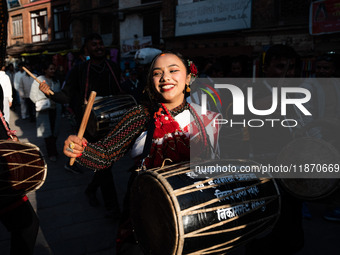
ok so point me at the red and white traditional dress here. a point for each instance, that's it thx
(177, 134)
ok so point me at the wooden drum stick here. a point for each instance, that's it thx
(85, 119)
(35, 78)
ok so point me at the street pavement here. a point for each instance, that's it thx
(70, 226)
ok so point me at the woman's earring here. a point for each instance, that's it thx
(187, 88)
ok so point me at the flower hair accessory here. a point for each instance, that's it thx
(193, 71)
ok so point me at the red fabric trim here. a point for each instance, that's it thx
(14, 205)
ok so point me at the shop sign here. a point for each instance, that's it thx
(132, 45)
(324, 17)
(212, 16)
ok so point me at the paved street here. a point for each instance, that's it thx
(69, 226)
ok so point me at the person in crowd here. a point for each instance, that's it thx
(324, 106)
(239, 67)
(25, 86)
(5, 83)
(60, 74)
(132, 86)
(48, 113)
(17, 78)
(16, 213)
(324, 103)
(100, 75)
(281, 62)
(10, 71)
(152, 123)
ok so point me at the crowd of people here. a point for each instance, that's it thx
(159, 127)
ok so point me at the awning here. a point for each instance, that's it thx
(62, 53)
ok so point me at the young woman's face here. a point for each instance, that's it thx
(49, 72)
(169, 78)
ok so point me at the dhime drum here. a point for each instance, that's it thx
(309, 150)
(107, 112)
(175, 210)
(22, 168)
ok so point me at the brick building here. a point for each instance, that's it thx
(37, 26)
(199, 29)
(58, 26)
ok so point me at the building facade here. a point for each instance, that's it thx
(204, 29)
(38, 26)
(52, 26)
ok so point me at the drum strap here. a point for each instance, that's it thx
(10, 133)
(148, 141)
(87, 78)
(14, 205)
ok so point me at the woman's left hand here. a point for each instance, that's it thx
(73, 146)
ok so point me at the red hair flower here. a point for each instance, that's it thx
(193, 68)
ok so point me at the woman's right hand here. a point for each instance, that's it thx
(74, 146)
(45, 88)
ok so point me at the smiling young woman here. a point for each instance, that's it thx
(170, 76)
(167, 127)
(166, 119)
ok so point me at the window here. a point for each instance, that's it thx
(39, 26)
(61, 22)
(13, 3)
(17, 26)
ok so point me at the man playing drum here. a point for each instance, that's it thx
(100, 75)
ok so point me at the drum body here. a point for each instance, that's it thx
(309, 150)
(22, 168)
(175, 212)
(107, 112)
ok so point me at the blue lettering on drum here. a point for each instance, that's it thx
(224, 179)
(245, 177)
(239, 193)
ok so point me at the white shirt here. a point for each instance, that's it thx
(17, 78)
(7, 91)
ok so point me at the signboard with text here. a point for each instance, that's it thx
(132, 45)
(324, 17)
(212, 16)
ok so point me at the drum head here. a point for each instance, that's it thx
(309, 150)
(158, 232)
(22, 168)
